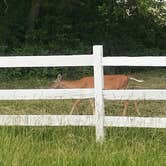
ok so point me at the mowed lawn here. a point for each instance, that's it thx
(49, 146)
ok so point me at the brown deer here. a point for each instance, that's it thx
(110, 82)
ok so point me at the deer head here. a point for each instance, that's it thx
(56, 84)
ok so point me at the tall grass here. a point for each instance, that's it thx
(76, 146)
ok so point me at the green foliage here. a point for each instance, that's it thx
(73, 26)
(70, 23)
(76, 146)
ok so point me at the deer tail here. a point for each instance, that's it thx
(131, 78)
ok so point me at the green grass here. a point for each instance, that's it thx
(76, 146)
(50, 146)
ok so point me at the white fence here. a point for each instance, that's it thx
(99, 120)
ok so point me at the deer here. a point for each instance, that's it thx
(111, 82)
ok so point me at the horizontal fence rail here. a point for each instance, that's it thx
(99, 120)
(81, 120)
(38, 94)
(146, 122)
(47, 120)
(141, 94)
(135, 61)
(79, 60)
(46, 61)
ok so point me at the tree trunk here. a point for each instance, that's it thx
(33, 14)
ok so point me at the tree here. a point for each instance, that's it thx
(33, 14)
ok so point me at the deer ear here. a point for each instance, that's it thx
(59, 77)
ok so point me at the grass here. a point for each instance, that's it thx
(40, 146)
(76, 146)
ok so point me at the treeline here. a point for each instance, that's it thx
(124, 27)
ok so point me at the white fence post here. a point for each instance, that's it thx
(98, 84)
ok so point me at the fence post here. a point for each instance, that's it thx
(98, 85)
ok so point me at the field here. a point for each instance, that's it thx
(42, 146)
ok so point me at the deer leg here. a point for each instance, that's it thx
(74, 105)
(92, 105)
(136, 108)
(126, 103)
